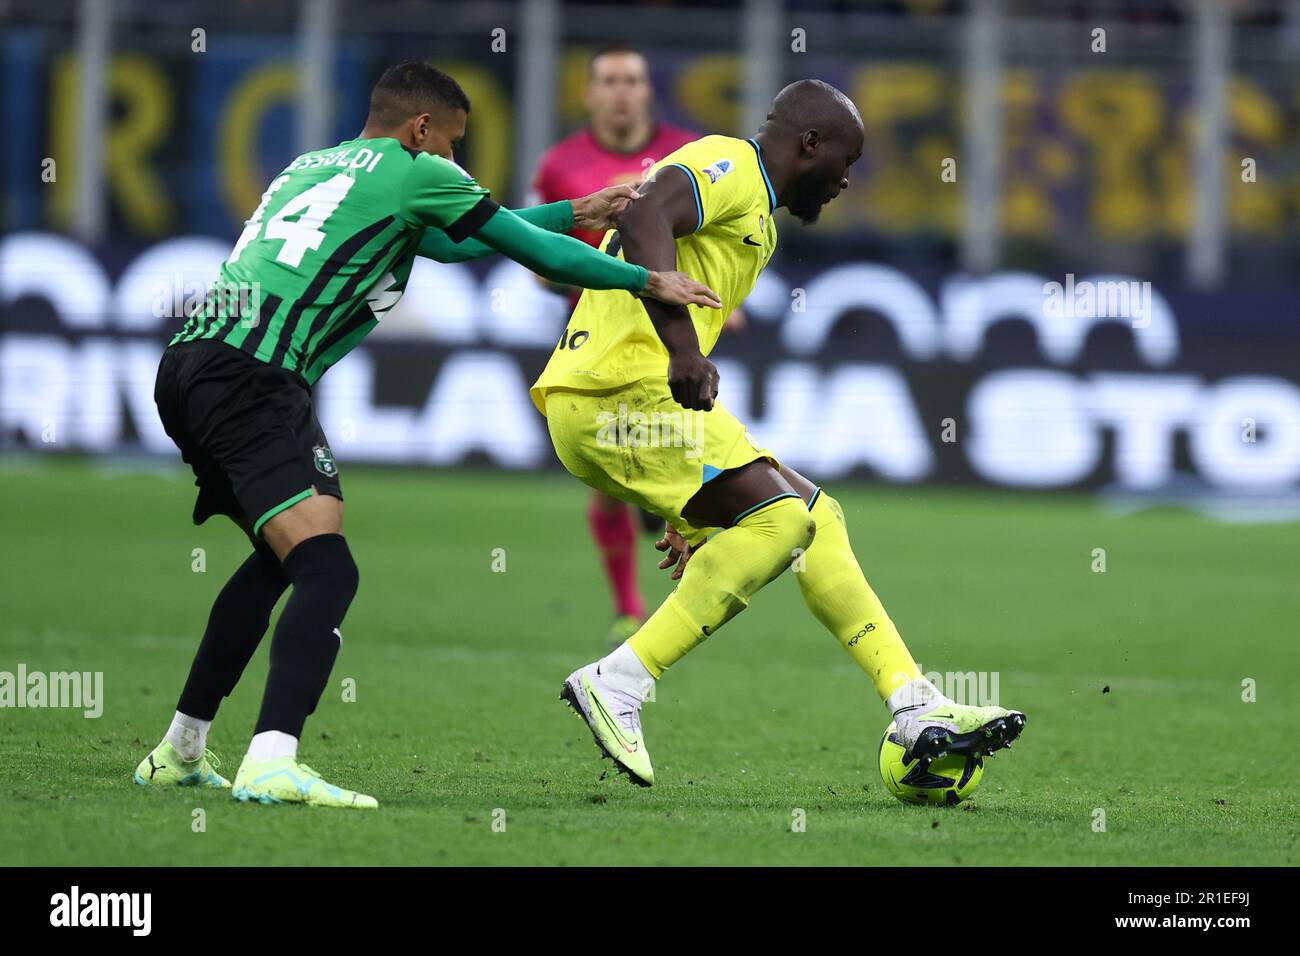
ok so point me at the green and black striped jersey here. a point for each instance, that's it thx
(329, 250)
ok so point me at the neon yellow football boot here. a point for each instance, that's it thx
(614, 719)
(165, 767)
(285, 780)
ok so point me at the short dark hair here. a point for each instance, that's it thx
(613, 46)
(412, 87)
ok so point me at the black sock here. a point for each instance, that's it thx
(305, 644)
(235, 628)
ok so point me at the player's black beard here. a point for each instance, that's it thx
(809, 215)
(807, 204)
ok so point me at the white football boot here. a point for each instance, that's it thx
(614, 717)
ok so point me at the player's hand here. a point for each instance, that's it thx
(597, 212)
(677, 288)
(679, 552)
(693, 380)
(736, 322)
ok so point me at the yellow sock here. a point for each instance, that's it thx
(837, 592)
(720, 579)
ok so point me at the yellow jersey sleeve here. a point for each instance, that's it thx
(721, 169)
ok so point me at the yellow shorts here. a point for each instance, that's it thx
(637, 444)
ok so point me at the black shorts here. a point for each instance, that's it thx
(248, 429)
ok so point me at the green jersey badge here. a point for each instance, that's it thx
(325, 461)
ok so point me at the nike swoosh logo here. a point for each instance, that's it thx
(608, 720)
(750, 242)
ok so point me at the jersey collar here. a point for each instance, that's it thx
(771, 196)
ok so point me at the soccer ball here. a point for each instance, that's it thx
(948, 780)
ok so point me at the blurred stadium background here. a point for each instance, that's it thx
(1150, 141)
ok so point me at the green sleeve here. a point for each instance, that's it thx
(558, 257)
(436, 244)
(437, 192)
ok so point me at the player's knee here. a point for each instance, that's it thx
(347, 574)
(344, 572)
(325, 562)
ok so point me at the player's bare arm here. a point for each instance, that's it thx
(648, 229)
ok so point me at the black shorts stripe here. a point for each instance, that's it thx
(469, 223)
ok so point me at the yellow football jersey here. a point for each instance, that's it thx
(610, 340)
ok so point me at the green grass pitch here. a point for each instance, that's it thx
(1132, 680)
